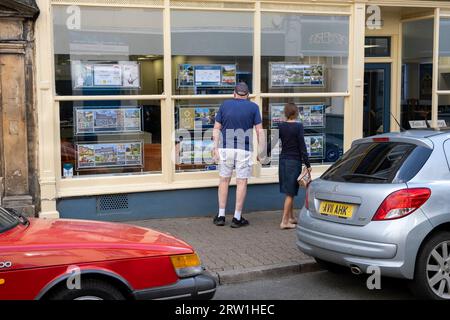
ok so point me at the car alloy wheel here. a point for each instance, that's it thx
(438, 270)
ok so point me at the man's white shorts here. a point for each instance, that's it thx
(238, 159)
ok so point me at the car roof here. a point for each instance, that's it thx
(418, 137)
(417, 133)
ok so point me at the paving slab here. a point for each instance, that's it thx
(256, 251)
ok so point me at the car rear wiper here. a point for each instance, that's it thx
(360, 175)
(23, 220)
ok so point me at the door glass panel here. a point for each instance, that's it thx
(376, 110)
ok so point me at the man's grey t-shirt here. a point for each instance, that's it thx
(238, 117)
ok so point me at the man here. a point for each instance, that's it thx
(233, 146)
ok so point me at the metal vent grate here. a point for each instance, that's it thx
(112, 202)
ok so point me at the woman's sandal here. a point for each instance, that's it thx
(287, 226)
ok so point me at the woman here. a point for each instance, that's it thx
(293, 152)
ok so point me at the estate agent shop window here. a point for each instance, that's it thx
(113, 51)
(118, 53)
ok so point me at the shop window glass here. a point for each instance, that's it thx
(108, 51)
(110, 137)
(417, 73)
(444, 111)
(323, 122)
(304, 53)
(211, 51)
(444, 54)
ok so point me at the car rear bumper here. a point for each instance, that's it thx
(390, 245)
(199, 287)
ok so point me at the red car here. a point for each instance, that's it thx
(85, 260)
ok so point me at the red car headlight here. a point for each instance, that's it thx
(187, 265)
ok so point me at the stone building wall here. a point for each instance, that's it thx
(19, 186)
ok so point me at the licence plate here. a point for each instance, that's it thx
(336, 209)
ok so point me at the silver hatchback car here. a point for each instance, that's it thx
(385, 203)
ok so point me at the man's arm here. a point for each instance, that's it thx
(262, 148)
(216, 137)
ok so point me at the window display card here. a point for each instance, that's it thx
(90, 120)
(418, 124)
(315, 146)
(87, 74)
(131, 74)
(308, 115)
(288, 74)
(101, 155)
(440, 123)
(208, 75)
(196, 152)
(107, 75)
(185, 75)
(197, 117)
(229, 75)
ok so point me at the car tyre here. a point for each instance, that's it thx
(428, 267)
(331, 267)
(91, 289)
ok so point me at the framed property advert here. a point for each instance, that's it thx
(107, 75)
(185, 75)
(95, 120)
(207, 75)
(197, 117)
(290, 74)
(131, 77)
(315, 146)
(105, 155)
(94, 74)
(310, 115)
(228, 75)
(196, 152)
(82, 74)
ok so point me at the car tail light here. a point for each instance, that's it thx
(402, 203)
(187, 265)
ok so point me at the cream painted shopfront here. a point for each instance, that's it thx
(127, 91)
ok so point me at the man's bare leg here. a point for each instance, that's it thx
(241, 192)
(224, 184)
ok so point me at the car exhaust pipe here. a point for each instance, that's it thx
(355, 270)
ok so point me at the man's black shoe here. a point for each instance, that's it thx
(235, 223)
(219, 221)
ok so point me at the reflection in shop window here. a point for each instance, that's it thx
(109, 51)
(444, 54)
(110, 137)
(323, 122)
(304, 53)
(444, 111)
(211, 51)
(417, 74)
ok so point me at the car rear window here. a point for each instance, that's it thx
(379, 162)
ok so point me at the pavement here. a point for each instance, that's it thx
(257, 251)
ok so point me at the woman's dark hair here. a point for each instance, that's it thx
(290, 111)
